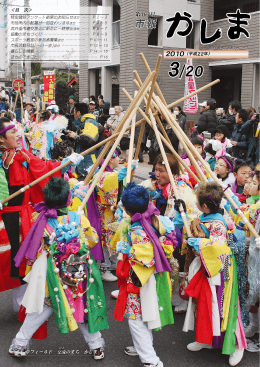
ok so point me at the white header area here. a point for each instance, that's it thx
(36, 35)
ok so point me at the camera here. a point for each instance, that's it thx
(65, 131)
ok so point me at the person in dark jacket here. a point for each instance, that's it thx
(181, 117)
(69, 113)
(86, 135)
(241, 134)
(208, 119)
(229, 119)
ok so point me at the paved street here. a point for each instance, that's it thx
(71, 350)
(170, 344)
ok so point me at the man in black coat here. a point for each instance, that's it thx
(229, 119)
(208, 119)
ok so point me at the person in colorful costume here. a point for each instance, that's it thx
(17, 169)
(222, 135)
(145, 288)
(64, 277)
(162, 196)
(213, 282)
(86, 135)
(224, 170)
(251, 211)
(107, 194)
(242, 172)
(198, 142)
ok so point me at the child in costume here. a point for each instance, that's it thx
(162, 196)
(64, 278)
(145, 297)
(251, 211)
(224, 170)
(213, 281)
(222, 135)
(198, 142)
(242, 172)
(106, 197)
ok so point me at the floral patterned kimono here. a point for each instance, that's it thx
(248, 254)
(107, 191)
(38, 141)
(213, 284)
(45, 288)
(143, 291)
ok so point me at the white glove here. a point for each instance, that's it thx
(1, 206)
(257, 242)
(148, 143)
(135, 163)
(75, 158)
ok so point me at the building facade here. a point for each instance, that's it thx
(239, 78)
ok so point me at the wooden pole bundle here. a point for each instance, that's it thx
(169, 146)
(139, 142)
(212, 174)
(179, 135)
(118, 129)
(136, 103)
(167, 166)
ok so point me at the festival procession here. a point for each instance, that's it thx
(130, 210)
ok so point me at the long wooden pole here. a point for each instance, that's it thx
(37, 110)
(98, 175)
(22, 113)
(227, 195)
(131, 148)
(156, 84)
(16, 97)
(118, 128)
(138, 83)
(180, 135)
(173, 185)
(35, 182)
(140, 138)
(169, 146)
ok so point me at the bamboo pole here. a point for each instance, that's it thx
(181, 99)
(107, 140)
(138, 82)
(131, 148)
(98, 175)
(37, 110)
(186, 97)
(161, 126)
(156, 84)
(119, 127)
(173, 185)
(170, 147)
(22, 113)
(16, 97)
(227, 195)
(43, 103)
(179, 135)
(193, 93)
(139, 142)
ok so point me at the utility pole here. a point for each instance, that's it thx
(27, 69)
